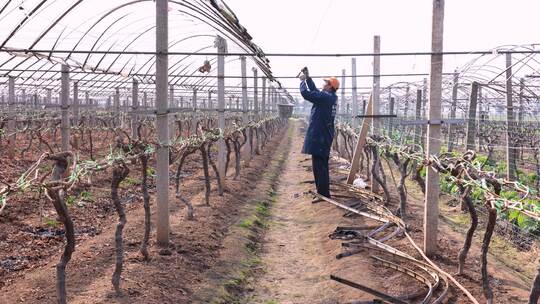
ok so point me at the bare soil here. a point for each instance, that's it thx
(195, 245)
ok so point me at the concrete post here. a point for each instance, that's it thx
(406, 108)
(391, 120)
(134, 107)
(171, 97)
(376, 96)
(354, 100)
(64, 96)
(221, 45)
(194, 100)
(162, 122)
(376, 82)
(75, 103)
(521, 112)
(245, 117)
(256, 108)
(471, 121)
(342, 108)
(49, 96)
(245, 106)
(511, 151)
(431, 211)
(117, 101)
(12, 137)
(145, 100)
(263, 99)
(453, 106)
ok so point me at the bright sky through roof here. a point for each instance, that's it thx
(344, 26)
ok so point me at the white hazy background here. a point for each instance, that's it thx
(348, 26)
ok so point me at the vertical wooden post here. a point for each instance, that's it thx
(134, 108)
(510, 123)
(453, 106)
(359, 149)
(221, 45)
(162, 122)
(64, 96)
(210, 103)
(471, 120)
(354, 100)
(431, 211)
(11, 121)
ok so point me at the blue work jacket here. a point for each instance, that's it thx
(320, 133)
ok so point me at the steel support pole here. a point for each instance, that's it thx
(511, 151)
(431, 211)
(221, 45)
(64, 96)
(354, 100)
(162, 122)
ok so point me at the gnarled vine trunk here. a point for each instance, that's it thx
(120, 172)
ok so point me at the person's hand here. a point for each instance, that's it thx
(305, 72)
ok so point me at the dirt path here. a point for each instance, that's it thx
(297, 254)
(298, 257)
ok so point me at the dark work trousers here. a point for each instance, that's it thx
(322, 177)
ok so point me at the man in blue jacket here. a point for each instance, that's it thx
(320, 133)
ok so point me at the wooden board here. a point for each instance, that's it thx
(361, 142)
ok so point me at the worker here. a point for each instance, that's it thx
(320, 133)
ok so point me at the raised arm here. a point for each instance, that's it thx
(310, 92)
